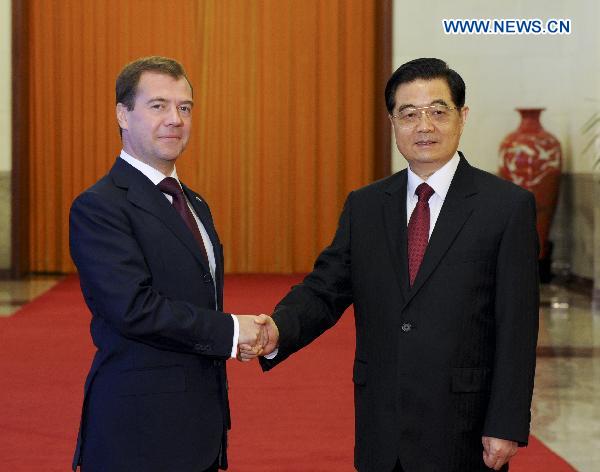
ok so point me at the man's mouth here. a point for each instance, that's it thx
(425, 142)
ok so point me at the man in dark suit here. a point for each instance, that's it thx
(440, 262)
(151, 270)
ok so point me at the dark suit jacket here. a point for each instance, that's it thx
(155, 396)
(451, 359)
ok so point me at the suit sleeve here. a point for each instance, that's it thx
(319, 301)
(117, 285)
(516, 322)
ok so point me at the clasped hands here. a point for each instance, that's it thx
(259, 336)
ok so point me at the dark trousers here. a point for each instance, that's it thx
(214, 467)
(398, 467)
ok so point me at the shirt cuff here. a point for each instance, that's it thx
(272, 355)
(236, 336)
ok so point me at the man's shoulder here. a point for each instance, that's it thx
(387, 184)
(103, 184)
(118, 178)
(494, 185)
(105, 189)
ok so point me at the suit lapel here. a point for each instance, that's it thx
(394, 217)
(142, 193)
(203, 212)
(456, 210)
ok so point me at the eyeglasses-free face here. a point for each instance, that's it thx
(157, 129)
(427, 124)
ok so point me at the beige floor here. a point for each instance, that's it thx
(15, 293)
(566, 402)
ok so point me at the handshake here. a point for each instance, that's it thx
(259, 336)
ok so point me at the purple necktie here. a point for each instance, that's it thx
(418, 230)
(170, 186)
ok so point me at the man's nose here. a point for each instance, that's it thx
(174, 117)
(425, 123)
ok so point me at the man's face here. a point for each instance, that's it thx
(157, 130)
(427, 145)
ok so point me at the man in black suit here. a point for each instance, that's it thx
(151, 270)
(440, 262)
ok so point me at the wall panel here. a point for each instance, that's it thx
(283, 124)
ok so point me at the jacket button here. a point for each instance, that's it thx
(406, 327)
(207, 278)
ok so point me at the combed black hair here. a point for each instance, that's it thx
(425, 68)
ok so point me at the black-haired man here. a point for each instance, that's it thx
(440, 262)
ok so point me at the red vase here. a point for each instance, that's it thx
(531, 157)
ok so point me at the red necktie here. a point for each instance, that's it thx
(170, 186)
(418, 230)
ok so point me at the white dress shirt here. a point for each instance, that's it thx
(156, 177)
(439, 181)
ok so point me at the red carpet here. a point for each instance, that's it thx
(297, 418)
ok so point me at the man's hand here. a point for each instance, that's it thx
(253, 334)
(497, 452)
(269, 338)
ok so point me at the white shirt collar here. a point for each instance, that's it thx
(154, 175)
(439, 181)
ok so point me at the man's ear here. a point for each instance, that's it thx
(464, 111)
(122, 116)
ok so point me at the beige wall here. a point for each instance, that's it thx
(5, 85)
(560, 73)
(5, 132)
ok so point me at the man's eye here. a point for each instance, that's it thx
(157, 106)
(185, 109)
(410, 115)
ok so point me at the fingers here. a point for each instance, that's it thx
(262, 319)
(246, 352)
(487, 457)
(273, 332)
(492, 461)
(249, 330)
(497, 452)
(258, 336)
(263, 337)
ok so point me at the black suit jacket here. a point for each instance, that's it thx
(451, 359)
(155, 397)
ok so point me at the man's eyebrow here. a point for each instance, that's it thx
(437, 101)
(164, 100)
(405, 106)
